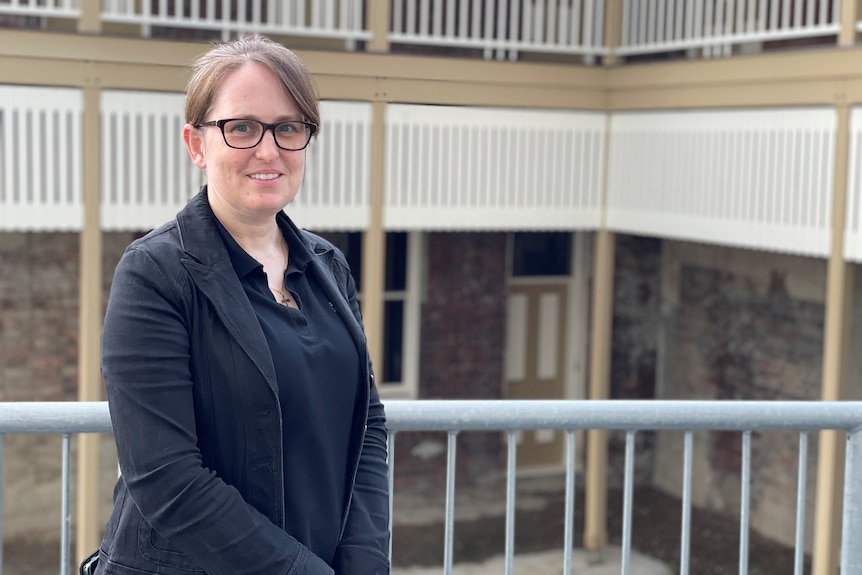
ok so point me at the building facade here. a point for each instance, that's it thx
(539, 199)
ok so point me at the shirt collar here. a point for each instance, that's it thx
(244, 264)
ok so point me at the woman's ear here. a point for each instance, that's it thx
(195, 146)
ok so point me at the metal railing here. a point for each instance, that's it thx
(454, 417)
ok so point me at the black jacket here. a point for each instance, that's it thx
(195, 411)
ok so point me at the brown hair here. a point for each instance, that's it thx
(211, 68)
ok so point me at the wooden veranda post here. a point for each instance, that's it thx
(613, 30)
(377, 22)
(595, 523)
(374, 244)
(836, 337)
(89, 331)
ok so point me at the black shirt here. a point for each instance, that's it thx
(317, 369)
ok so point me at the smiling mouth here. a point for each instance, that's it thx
(263, 176)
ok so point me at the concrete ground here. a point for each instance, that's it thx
(551, 563)
(534, 494)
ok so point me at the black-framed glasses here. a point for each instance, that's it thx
(242, 133)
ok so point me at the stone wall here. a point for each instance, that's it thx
(634, 345)
(742, 325)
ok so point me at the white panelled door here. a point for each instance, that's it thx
(535, 359)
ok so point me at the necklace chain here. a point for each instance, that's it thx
(284, 295)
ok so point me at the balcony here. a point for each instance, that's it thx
(585, 31)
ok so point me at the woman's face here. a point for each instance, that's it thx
(252, 184)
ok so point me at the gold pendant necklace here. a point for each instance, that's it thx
(284, 296)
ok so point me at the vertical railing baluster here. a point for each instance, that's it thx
(851, 543)
(450, 18)
(424, 18)
(685, 536)
(745, 502)
(626, 38)
(801, 486)
(411, 24)
(594, 36)
(437, 19)
(514, 25)
(226, 24)
(569, 525)
(450, 502)
(661, 20)
(2, 436)
(627, 502)
(66, 519)
(397, 24)
(510, 501)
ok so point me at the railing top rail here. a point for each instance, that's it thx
(445, 415)
(505, 415)
(55, 417)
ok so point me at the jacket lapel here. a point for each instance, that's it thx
(210, 267)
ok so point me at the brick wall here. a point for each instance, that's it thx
(461, 354)
(39, 320)
(690, 321)
(39, 287)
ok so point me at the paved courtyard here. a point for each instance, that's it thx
(551, 563)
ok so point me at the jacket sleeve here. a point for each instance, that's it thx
(364, 546)
(146, 367)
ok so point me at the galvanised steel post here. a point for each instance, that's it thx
(851, 542)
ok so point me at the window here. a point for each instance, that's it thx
(541, 254)
(399, 372)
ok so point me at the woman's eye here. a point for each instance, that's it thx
(287, 128)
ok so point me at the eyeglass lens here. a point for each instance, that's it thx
(247, 134)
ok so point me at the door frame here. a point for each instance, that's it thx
(576, 351)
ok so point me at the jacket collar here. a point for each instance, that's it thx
(209, 265)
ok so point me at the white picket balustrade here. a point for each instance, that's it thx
(335, 193)
(651, 26)
(469, 168)
(853, 222)
(502, 28)
(759, 179)
(338, 19)
(40, 158)
(51, 8)
(147, 176)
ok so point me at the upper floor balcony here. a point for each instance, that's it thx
(590, 32)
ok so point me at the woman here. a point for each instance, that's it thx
(250, 435)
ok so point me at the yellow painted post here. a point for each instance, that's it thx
(377, 17)
(88, 528)
(374, 244)
(849, 13)
(595, 523)
(613, 30)
(90, 21)
(836, 337)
